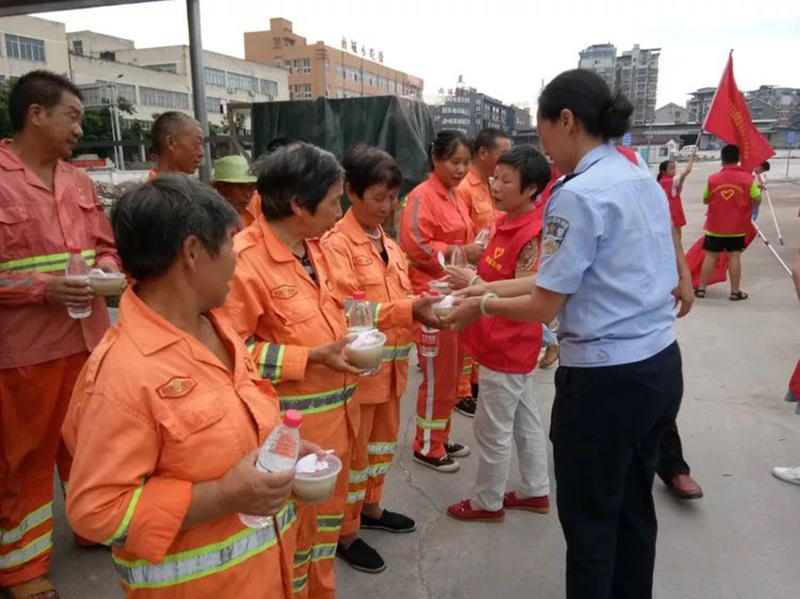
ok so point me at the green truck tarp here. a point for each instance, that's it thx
(400, 126)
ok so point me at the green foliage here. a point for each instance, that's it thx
(5, 121)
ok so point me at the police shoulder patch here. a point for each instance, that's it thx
(555, 231)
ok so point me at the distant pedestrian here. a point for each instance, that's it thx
(760, 174)
(178, 142)
(673, 188)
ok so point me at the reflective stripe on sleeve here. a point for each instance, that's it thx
(318, 402)
(45, 263)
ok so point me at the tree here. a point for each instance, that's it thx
(5, 121)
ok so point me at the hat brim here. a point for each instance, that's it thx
(243, 180)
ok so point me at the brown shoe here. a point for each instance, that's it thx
(550, 356)
(685, 487)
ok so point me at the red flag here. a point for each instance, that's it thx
(696, 255)
(729, 119)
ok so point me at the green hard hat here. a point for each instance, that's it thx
(233, 169)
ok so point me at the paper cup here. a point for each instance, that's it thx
(108, 284)
(316, 487)
(369, 357)
(441, 287)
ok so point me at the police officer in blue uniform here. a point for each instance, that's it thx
(608, 271)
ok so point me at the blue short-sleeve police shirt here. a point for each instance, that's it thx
(607, 245)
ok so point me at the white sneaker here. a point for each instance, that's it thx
(788, 475)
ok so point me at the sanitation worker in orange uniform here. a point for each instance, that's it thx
(489, 144)
(178, 141)
(282, 303)
(46, 207)
(168, 415)
(435, 225)
(366, 260)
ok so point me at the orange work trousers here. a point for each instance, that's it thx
(468, 377)
(33, 403)
(437, 395)
(372, 457)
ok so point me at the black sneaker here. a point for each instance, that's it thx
(466, 406)
(456, 450)
(390, 522)
(361, 556)
(474, 388)
(442, 464)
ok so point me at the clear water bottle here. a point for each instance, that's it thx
(458, 257)
(78, 269)
(482, 239)
(278, 454)
(360, 318)
(429, 339)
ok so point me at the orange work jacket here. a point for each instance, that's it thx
(154, 412)
(281, 313)
(479, 201)
(358, 265)
(430, 224)
(37, 226)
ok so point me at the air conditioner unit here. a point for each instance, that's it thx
(231, 90)
(252, 93)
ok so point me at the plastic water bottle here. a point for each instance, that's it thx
(429, 340)
(78, 269)
(360, 319)
(482, 239)
(278, 454)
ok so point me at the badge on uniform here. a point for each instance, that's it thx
(362, 260)
(176, 387)
(284, 292)
(554, 234)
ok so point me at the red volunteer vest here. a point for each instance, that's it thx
(675, 202)
(729, 205)
(498, 343)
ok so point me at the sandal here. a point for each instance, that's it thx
(701, 293)
(38, 588)
(737, 296)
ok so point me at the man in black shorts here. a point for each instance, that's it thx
(730, 196)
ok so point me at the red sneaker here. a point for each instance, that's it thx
(464, 511)
(540, 505)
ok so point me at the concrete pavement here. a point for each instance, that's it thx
(739, 542)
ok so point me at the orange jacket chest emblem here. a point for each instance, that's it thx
(176, 387)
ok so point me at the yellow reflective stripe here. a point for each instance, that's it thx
(27, 553)
(46, 263)
(376, 311)
(356, 496)
(29, 522)
(381, 448)
(357, 476)
(396, 352)
(287, 516)
(270, 361)
(378, 469)
(323, 551)
(436, 425)
(318, 402)
(122, 529)
(299, 583)
(327, 523)
(301, 557)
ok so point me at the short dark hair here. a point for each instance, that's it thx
(730, 154)
(589, 98)
(487, 138)
(301, 173)
(167, 124)
(152, 221)
(531, 165)
(365, 166)
(279, 142)
(765, 165)
(37, 87)
(662, 169)
(445, 144)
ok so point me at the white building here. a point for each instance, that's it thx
(152, 80)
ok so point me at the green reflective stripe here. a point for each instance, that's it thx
(357, 476)
(299, 583)
(29, 522)
(466, 369)
(318, 402)
(197, 563)
(122, 530)
(356, 496)
(46, 263)
(323, 551)
(375, 308)
(436, 425)
(329, 523)
(28, 552)
(270, 361)
(396, 352)
(287, 516)
(301, 558)
(381, 448)
(378, 469)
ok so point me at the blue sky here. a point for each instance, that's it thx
(504, 48)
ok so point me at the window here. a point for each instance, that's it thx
(243, 82)
(301, 66)
(215, 77)
(340, 92)
(277, 63)
(383, 83)
(268, 88)
(370, 79)
(213, 105)
(25, 48)
(302, 92)
(339, 72)
(168, 67)
(327, 66)
(163, 98)
(77, 47)
(351, 74)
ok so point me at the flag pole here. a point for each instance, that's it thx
(772, 249)
(774, 218)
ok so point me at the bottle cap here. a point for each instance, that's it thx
(292, 418)
(433, 293)
(74, 250)
(359, 296)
